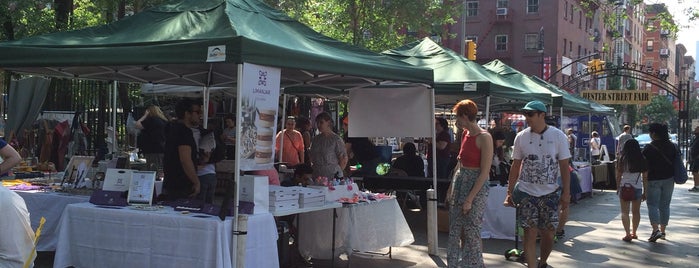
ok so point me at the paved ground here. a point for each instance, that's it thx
(593, 239)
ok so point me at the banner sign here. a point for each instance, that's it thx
(259, 93)
(632, 97)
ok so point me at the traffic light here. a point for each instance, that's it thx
(595, 66)
(470, 50)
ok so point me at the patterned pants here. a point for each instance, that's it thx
(465, 245)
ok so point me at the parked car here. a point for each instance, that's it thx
(644, 139)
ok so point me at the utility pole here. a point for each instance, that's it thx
(462, 41)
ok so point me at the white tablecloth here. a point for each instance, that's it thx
(49, 205)
(498, 220)
(585, 176)
(364, 227)
(91, 236)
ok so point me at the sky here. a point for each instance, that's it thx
(686, 36)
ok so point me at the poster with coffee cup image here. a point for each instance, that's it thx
(258, 110)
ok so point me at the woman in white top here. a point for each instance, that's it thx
(595, 146)
(632, 169)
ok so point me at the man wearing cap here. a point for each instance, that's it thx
(540, 155)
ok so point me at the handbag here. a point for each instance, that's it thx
(678, 166)
(628, 192)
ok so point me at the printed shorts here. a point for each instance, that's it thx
(539, 212)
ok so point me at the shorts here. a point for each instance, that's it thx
(539, 212)
(694, 165)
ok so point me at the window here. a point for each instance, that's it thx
(531, 42)
(532, 6)
(471, 8)
(473, 38)
(580, 16)
(571, 14)
(565, 13)
(649, 45)
(501, 43)
(565, 46)
(502, 4)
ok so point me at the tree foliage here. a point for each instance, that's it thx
(660, 110)
(375, 24)
(24, 18)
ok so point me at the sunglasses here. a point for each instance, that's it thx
(530, 114)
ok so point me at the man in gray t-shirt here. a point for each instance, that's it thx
(625, 136)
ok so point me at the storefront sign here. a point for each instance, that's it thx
(617, 96)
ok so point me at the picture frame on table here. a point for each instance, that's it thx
(77, 169)
(141, 188)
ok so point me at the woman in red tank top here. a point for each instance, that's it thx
(468, 192)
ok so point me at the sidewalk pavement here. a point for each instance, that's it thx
(593, 239)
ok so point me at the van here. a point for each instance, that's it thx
(583, 125)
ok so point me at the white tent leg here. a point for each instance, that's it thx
(432, 235)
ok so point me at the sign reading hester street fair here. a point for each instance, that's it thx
(617, 96)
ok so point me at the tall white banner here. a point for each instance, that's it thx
(257, 116)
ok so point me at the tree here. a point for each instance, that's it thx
(660, 110)
(377, 25)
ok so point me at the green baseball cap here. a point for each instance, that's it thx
(535, 106)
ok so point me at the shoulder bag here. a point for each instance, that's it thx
(628, 192)
(680, 171)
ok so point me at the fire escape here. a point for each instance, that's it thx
(500, 24)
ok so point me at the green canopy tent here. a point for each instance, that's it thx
(456, 78)
(200, 43)
(204, 43)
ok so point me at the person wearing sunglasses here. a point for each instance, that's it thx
(181, 180)
(541, 155)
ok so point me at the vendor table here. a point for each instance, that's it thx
(498, 220)
(363, 227)
(93, 236)
(585, 176)
(49, 205)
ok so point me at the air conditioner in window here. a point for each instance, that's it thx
(501, 11)
(664, 52)
(664, 31)
(663, 71)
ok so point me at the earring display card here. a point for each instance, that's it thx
(141, 187)
(117, 179)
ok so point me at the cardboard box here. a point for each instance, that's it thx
(255, 189)
(443, 220)
(284, 205)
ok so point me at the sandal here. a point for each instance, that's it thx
(634, 236)
(627, 238)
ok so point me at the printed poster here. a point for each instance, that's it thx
(258, 112)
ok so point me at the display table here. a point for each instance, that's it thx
(49, 205)
(498, 220)
(585, 177)
(92, 236)
(364, 227)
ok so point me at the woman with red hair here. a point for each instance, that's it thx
(468, 192)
